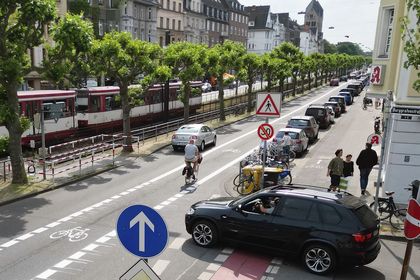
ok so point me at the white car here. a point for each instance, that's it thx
(300, 141)
(200, 133)
(206, 87)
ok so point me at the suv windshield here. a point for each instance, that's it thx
(297, 122)
(315, 112)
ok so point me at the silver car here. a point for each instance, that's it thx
(200, 133)
(300, 141)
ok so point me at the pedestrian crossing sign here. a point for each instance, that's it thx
(268, 104)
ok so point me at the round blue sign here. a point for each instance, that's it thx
(142, 231)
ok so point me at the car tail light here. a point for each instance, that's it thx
(194, 137)
(360, 237)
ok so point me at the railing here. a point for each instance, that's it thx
(6, 169)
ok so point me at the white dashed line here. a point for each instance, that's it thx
(124, 193)
(179, 195)
(177, 243)
(65, 219)
(39, 230)
(160, 266)
(172, 198)
(107, 200)
(10, 243)
(99, 204)
(54, 224)
(90, 247)
(25, 236)
(77, 214)
(132, 190)
(116, 197)
(63, 263)
(103, 239)
(47, 273)
(221, 258)
(158, 207)
(213, 267)
(166, 202)
(111, 233)
(205, 276)
(77, 255)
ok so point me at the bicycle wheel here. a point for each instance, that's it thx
(59, 234)
(292, 156)
(397, 218)
(237, 180)
(245, 187)
(78, 237)
(285, 180)
(383, 209)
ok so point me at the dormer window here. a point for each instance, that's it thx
(251, 23)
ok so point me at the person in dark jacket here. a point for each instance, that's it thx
(366, 160)
(348, 167)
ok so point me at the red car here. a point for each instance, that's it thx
(335, 82)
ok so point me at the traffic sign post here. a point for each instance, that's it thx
(142, 231)
(265, 132)
(140, 270)
(269, 104)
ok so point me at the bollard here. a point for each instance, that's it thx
(80, 164)
(143, 137)
(113, 153)
(4, 171)
(52, 169)
(93, 154)
(156, 133)
(138, 144)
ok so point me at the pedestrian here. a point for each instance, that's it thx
(335, 170)
(348, 167)
(366, 160)
(286, 142)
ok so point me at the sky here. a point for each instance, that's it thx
(354, 18)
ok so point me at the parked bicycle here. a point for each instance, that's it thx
(388, 210)
(278, 153)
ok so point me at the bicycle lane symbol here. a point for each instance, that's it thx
(74, 234)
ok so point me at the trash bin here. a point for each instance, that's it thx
(271, 175)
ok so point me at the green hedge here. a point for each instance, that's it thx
(4, 146)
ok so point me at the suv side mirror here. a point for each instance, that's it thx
(239, 208)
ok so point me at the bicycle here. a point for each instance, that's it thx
(388, 210)
(277, 151)
(74, 234)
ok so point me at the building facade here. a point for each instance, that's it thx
(238, 22)
(393, 83)
(217, 23)
(260, 29)
(292, 29)
(279, 35)
(314, 16)
(308, 42)
(170, 22)
(138, 17)
(195, 22)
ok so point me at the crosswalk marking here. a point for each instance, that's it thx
(205, 276)
(160, 266)
(47, 273)
(177, 243)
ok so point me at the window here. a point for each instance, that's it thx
(101, 27)
(161, 22)
(150, 13)
(174, 6)
(161, 41)
(168, 4)
(167, 23)
(179, 25)
(313, 23)
(329, 215)
(179, 7)
(173, 24)
(267, 34)
(125, 7)
(296, 208)
(251, 23)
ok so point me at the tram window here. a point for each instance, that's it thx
(82, 104)
(108, 103)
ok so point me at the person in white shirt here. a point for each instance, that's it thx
(286, 142)
(191, 154)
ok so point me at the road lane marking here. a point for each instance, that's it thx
(221, 258)
(39, 230)
(25, 236)
(63, 263)
(103, 239)
(158, 207)
(177, 243)
(160, 266)
(47, 273)
(54, 224)
(77, 255)
(10, 243)
(90, 247)
(213, 267)
(205, 276)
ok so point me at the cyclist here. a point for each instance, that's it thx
(286, 142)
(192, 155)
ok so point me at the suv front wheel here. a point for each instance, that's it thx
(319, 259)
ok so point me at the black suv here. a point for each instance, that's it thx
(322, 228)
(320, 113)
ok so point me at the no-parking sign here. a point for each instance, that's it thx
(265, 131)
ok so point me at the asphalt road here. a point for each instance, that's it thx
(31, 246)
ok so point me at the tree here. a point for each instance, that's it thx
(251, 65)
(349, 48)
(318, 60)
(293, 56)
(305, 71)
(329, 48)
(124, 59)
(68, 59)
(21, 28)
(222, 58)
(186, 61)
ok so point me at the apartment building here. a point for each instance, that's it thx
(314, 16)
(170, 22)
(292, 29)
(217, 23)
(139, 17)
(392, 82)
(238, 22)
(195, 22)
(260, 29)
(279, 30)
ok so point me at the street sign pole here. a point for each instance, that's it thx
(408, 250)
(263, 163)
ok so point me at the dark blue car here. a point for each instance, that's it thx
(347, 97)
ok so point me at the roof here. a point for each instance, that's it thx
(259, 15)
(216, 3)
(234, 5)
(295, 130)
(31, 95)
(314, 5)
(302, 118)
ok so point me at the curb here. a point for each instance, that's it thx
(90, 175)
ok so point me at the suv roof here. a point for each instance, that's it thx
(302, 118)
(319, 106)
(320, 193)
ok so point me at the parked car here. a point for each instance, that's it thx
(320, 113)
(356, 87)
(201, 134)
(343, 79)
(206, 87)
(307, 123)
(335, 106)
(300, 141)
(334, 82)
(332, 114)
(351, 90)
(341, 100)
(347, 97)
(323, 229)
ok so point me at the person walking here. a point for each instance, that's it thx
(286, 142)
(335, 170)
(366, 160)
(348, 168)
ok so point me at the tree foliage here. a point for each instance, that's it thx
(251, 65)
(349, 48)
(21, 28)
(411, 35)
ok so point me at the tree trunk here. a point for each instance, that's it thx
(316, 80)
(309, 81)
(187, 92)
(126, 108)
(249, 105)
(302, 84)
(15, 134)
(269, 85)
(294, 84)
(220, 83)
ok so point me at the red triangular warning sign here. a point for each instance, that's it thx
(268, 107)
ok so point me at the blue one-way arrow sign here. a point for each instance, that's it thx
(142, 231)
